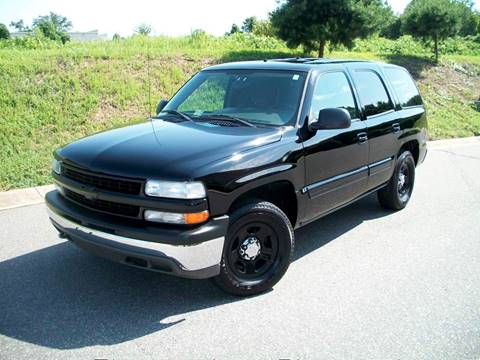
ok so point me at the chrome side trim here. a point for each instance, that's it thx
(194, 257)
(381, 162)
(345, 175)
(333, 179)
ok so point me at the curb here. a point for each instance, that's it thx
(448, 143)
(24, 197)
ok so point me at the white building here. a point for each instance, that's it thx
(74, 36)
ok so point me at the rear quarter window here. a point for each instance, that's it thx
(404, 87)
(372, 92)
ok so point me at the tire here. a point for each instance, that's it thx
(397, 193)
(258, 250)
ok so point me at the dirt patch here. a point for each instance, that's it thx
(452, 80)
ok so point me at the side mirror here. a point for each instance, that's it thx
(161, 105)
(332, 118)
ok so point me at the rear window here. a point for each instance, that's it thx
(372, 92)
(404, 87)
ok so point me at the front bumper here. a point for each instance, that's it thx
(152, 250)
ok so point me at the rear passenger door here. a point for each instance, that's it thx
(382, 123)
(335, 160)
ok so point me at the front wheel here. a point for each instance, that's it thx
(258, 249)
(397, 193)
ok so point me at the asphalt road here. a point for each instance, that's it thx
(365, 284)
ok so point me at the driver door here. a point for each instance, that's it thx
(335, 160)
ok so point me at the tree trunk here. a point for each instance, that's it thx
(435, 40)
(321, 49)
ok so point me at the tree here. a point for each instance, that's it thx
(431, 21)
(312, 23)
(264, 27)
(234, 29)
(467, 17)
(4, 33)
(249, 24)
(389, 24)
(393, 30)
(53, 26)
(143, 29)
(478, 22)
(20, 26)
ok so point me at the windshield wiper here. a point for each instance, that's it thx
(174, 112)
(228, 118)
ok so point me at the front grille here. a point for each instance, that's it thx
(102, 205)
(103, 182)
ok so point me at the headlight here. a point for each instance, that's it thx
(175, 190)
(56, 166)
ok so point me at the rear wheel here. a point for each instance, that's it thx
(396, 195)
(258, 249)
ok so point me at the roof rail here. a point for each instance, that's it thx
(311, 60)
(337, 61)
(297, 60)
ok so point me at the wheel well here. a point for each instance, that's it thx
(280, 193)
(413, 147)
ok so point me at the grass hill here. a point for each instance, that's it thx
(52, 94)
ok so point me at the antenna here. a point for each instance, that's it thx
(149, 83)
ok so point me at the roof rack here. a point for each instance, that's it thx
(299, 60)
(336, 61)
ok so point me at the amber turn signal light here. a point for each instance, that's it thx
(196, 218)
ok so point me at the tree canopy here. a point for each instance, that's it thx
(467, 17)
(432, 20)
(234, 29)
(52, 26)
(264, 27)
(19, 25)
(249, 24)
(4, 33)
(143, 29)
(313, 23)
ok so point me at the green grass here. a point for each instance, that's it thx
(52, 95)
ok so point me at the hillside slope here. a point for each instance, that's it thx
(53, 96)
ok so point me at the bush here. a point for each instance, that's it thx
(253, 41)
(32, 41)
(407, 45)
(4, 33)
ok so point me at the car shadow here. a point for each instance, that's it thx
(322, 231)
(60, 297)
(415, 65)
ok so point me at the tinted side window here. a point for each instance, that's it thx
(404, 87)
(332, 91)
(372, 93)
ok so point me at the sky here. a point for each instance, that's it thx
(178, 17)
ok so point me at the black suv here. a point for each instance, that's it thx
(214, 185)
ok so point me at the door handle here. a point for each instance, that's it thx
(396, 128)
(362, 137)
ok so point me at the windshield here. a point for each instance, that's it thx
(258, 97)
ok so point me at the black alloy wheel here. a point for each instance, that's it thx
(258, 249)
(397, 193)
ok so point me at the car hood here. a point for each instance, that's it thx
(161, 149)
